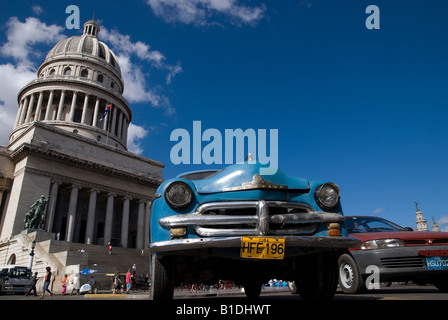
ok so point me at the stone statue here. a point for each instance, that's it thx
(35, 217)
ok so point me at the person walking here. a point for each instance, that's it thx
(64, 284)
(32, 285)
(117, 285)
(93, 284)
(47, 281)
(128, 281)
(76, 284)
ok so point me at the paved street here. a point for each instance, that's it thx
(394, 292)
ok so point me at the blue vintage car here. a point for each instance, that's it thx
(237, 224)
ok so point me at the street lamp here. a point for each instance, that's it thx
(30, 262)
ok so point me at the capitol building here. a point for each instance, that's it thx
(69, 145)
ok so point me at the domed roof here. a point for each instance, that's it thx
(87, 46)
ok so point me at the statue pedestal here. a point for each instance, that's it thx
(38, 235)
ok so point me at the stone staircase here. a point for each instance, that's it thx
(70, 258)
(121, 259)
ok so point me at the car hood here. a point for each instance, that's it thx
(242, 176)
(404, 235)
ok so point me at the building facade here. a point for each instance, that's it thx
(69, 145)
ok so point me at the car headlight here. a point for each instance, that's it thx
(327, 195)
(381, 243)
(178, 194)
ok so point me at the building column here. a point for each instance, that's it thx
(125, 128)
(91, 216)
(52, 205)
(70, 228)
(147, 238)
(140, 225)
(39, 106)
(84, 108)
(114, 120)
(49, 114)
(125, 222)
(109, 218)
(95, 112)
(73, 106)
(24, 111)
(106, 118)
(61, 105)
(30, 109)
(120, 126)
(19, 112)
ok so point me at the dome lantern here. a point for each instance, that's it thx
(91, 28)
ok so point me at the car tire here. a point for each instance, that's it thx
(292, 287)
(162, 278)
(320, 279)
(252, 290)
(442, 284)
(349, 278)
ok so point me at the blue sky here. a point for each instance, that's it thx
(366, 109)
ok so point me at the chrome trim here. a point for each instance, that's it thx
(258, 224)
(235, 242)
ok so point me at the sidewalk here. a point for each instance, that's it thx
(180, 294)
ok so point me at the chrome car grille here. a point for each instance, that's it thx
(247, 218)
(403, 262)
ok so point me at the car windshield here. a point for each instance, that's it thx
(19, 273)
(370, 224)
(200, 175)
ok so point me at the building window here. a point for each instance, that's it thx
(52, 72)
(12, 259)
(100, 78)
(84, 73)
(67, 71)
(78, 115)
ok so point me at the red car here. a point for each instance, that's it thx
(394, 253)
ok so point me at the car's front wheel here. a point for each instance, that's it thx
(442, 284)
(252, 289)
(162, 278)
(350, 279)
(319, 280)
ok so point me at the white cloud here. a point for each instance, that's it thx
(135, 78)
(443, 223)
(12, 79)
(122, 44)
(37, 10)
(378, 211)
(22, 37)
(135, 135)
(204, 12)
(23, 46)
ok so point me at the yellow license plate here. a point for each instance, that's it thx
(262, 248)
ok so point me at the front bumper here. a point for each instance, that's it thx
(397, 263)
(182, 245)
